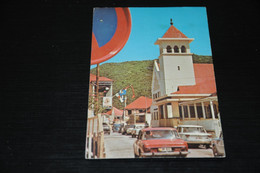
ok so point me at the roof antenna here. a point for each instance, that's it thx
(171, 22)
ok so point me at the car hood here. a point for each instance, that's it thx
(163, 143)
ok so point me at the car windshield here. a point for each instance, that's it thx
(117, 125)
(131, 126)
(160, 134)
(193, 130)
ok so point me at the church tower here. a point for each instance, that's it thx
(176, 65)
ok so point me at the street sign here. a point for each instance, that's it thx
(110, 32)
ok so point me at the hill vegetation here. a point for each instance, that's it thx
(135, 73)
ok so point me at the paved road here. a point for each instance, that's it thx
(121, 146)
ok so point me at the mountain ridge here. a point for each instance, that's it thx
(135, 73)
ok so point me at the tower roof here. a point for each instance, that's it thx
(173, 32)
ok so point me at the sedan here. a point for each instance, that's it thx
(194, 135)
(136, 130)
(160, 142)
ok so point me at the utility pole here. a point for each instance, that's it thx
(97, 88)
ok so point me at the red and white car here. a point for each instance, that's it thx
(160, 142)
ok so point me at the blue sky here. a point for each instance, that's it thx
(149, 24)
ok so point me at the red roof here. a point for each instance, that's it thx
(93, 78)
(205, 81)
(140, 103)
(173, 32)
(117, 112)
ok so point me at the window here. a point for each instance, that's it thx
(176, 49)
(169, 110)
(215, 111)
(183, 49)
(179, 68)
(161, 112)
(169, 49)
(192, 112)
(208, 112)
(180, 112)
(199, 110)
(129, 112)
(185, 113)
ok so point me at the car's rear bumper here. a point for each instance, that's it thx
(162, 154)
(199, 142)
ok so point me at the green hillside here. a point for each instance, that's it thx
(135, 73)
(202, 59)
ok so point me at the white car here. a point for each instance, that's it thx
(194, 135)
(129, 129)
(136, 130)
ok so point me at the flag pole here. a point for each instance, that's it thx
(124, 108)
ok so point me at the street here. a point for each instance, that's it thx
(121, 146)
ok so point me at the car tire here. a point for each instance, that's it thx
(183, 156)
(140, 154)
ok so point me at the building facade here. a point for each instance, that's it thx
(139, 111)
(105, 93)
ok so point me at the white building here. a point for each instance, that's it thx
(177, 80)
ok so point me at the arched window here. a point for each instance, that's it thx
(169, 49)
(176, 49)
(183, 49)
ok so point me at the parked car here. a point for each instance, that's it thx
(136, 130)
(124, 130)
(218, 146)
(121, 128)
(130, 129)
(160, 142)
(194, 135)
(116, 127)
(106, 128)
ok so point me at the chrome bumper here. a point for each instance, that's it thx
(199, 142)
(176, 153)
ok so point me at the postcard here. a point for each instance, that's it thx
(152, 88)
